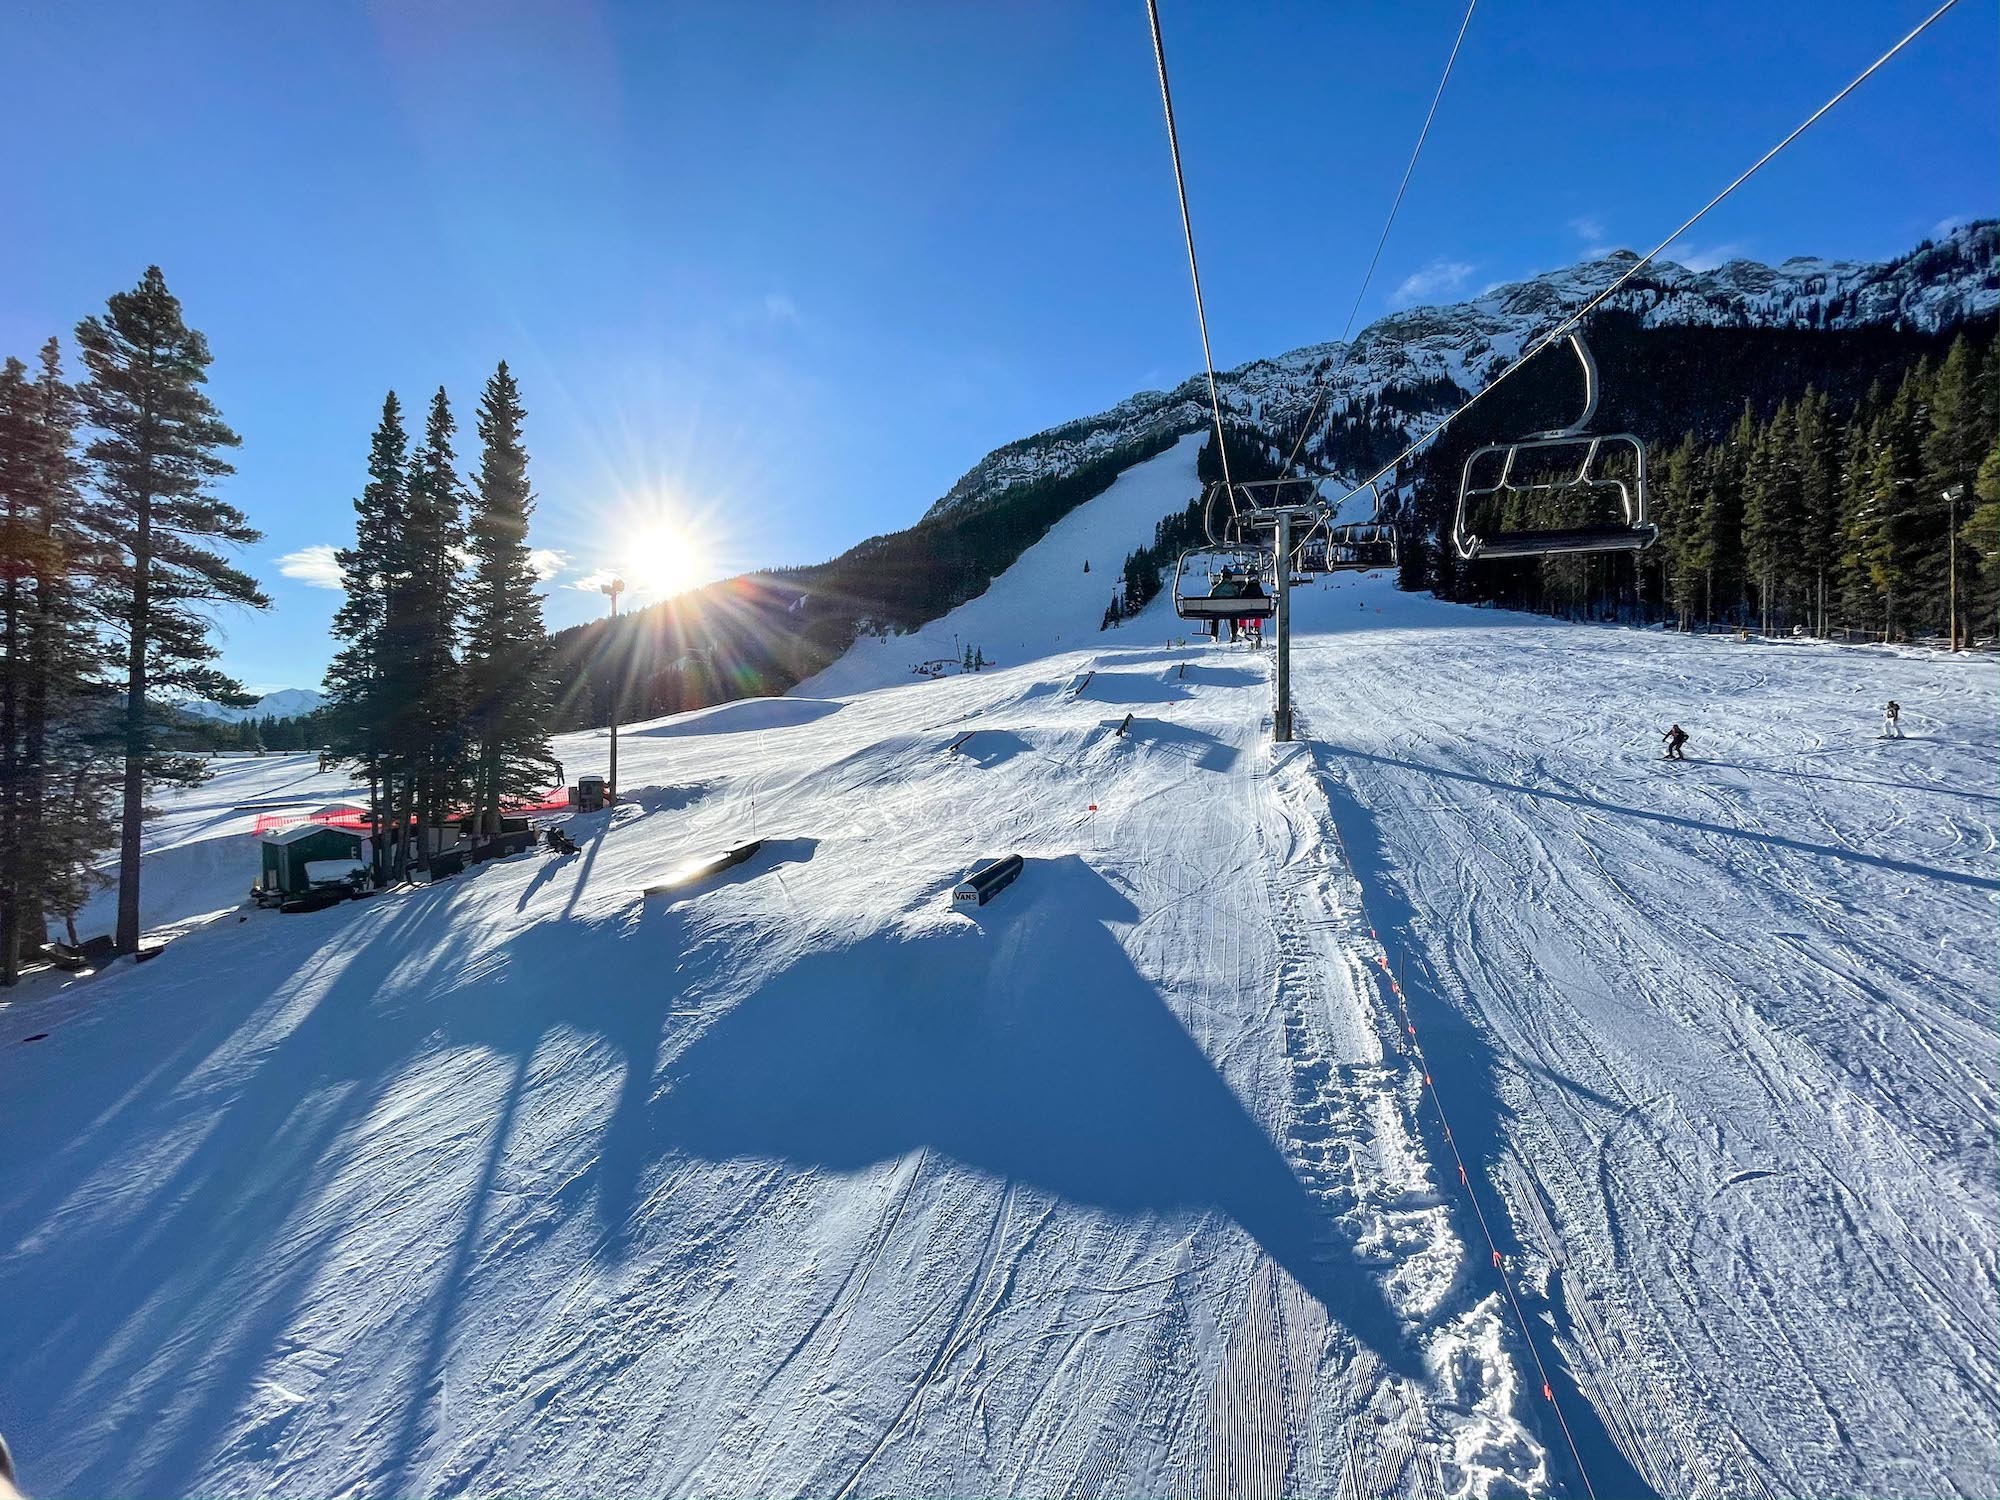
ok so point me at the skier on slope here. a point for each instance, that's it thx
(1892, 721)
(1675, 738)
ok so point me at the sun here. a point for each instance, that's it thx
(662, 559)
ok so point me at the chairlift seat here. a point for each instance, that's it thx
(1234, 586)
(1560, 541)
(1589, 473)
(1357, 547)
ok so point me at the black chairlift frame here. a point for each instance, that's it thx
(1634, 534)
(1358, 547)
(1319, 544)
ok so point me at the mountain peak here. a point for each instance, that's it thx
(285, 703)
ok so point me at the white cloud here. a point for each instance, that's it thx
(1946, 225)
(592, 582)
(317, 566)
(1702, 257)
(1435, 279)
(547, 562)
(1588, 227)
(778, 308)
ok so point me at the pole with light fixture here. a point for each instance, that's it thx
(613, 589)
(1951, 566)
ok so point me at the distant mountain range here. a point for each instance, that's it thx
(286, 703)
(1420, 363)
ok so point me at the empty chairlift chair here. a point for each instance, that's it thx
(1358, 547)
(1553, 481)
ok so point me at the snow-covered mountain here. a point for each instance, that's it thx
(286, 703)
(1412, 360)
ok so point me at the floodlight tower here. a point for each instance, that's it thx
(612, 590)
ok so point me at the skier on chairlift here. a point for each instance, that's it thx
(1675, 738)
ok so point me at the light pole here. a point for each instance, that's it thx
(1951, 566)
(613, 589)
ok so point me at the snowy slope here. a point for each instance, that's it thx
(1733, 1019)
(1044, 603)
(802, 1182)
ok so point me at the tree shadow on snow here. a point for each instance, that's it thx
(152, 1332)
(1022, 1043)
(1752, 835)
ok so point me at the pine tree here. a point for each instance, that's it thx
(1981, 533)
(1952, 449)
(1773, 511)
(510, 693)
(155, 456)
(1677, 513)
(48, 655)
(1858, 602)
(1816, 443)
(358, 708)
(1907, 554)
(426, 710)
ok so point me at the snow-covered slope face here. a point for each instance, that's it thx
(1133, 1182)
(286, 703)
(1046, 602)
(1466, 344)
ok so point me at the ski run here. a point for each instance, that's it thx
(803, 1181)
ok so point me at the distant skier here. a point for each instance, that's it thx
(1675, 738)
(1892, 721)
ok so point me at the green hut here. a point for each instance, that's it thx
(308, 854)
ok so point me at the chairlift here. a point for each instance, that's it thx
(1569, 463)
(1223, 583)
(1350, 546)
(1359, 546)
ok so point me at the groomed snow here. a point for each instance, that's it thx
(802, 1182)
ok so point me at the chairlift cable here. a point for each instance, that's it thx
(1187, 227)
(1561, 330)
(1381, 240)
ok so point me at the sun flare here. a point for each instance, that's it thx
(663, 559)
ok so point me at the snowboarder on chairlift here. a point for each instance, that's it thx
(1675, 738)
(1892, 721)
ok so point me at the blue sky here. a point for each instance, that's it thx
(778, 275)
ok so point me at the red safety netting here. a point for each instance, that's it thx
(355, 820)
